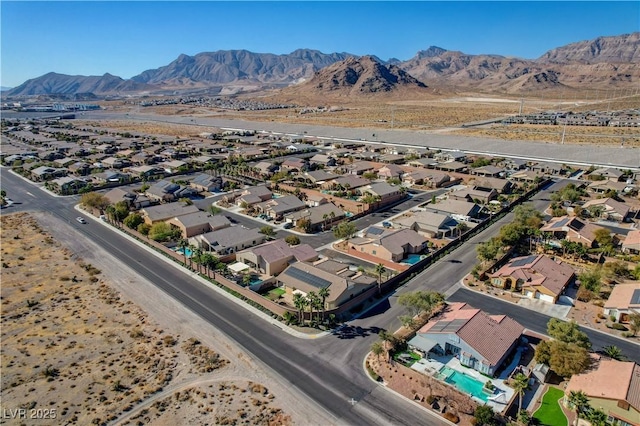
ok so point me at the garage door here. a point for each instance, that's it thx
(546, 298)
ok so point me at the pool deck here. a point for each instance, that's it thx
(431, 367)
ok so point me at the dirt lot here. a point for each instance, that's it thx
(75, 346)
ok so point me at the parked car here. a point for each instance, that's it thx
(288, 225)
(81, 219)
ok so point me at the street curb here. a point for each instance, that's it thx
(528, 308)
(35, 184)
(399, 395)
(219, 290)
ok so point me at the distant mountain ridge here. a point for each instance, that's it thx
(612, 61)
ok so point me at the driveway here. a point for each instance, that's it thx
(546, 308)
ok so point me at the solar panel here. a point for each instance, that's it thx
(635, 297)
(375, 231)
(561, 223)
(440, 326)
(455, 325)
(523, 261)
(308, 278)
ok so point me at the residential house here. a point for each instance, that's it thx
(315, 200)
(449, 156)
(294, 164)
(132, 199)
(206, 183)
(64, 162)
(613, 387)
(273, 257)
(198, 223)
(623, 301)
(278, 207)
(324, 160)
(529, 176)
(345, 182)
(631, 243)
(68, 184)
(165, 191)
(358, 168)
(318, 177)
(430, 178)
(266, 168)
(453, 166)
(305, 277)
(431, 224)
(474, 195)
(390, 171)
(112, 176)
(538, 277)
(172, 166)
(572, 229)
(320, 218)
(607, 173)
(147, 172)
(502, 186)
(458, 209)
(79, 168)
(228, 240)
(392, 158)
(479, 340)
(115, 162)
(428, 163)
(162, 212)
(487, 171)
(253, 195)
(602, 186)
(383, 192)
(390, 245)
(43, 173)
(610, 209)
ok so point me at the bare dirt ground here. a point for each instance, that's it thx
(443, 113)
(74, 341)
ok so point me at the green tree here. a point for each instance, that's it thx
(524, 417)
(634, 323)
(598, 417)
(568, 359)
(292, 240)
(567, 332)
(94, 200)
(246, 279)
(345, 230)
(527, 215)
(419, 302)
(182, 246)
(487, 251)
(144, 228)
(380, 270)
(591, 279)
(300, 302)
(161, 231)
(484, 416)
(268, 231)
(603, 237)
(520, 384)
(579, 402)
(121, 210)
(133, 220)
(214, 210)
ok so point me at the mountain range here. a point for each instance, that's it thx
(605, 62)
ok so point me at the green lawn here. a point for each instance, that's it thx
(550, 413)
(275, 293)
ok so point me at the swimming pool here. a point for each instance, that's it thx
(466, 384)
(186, 251)
(412, 259)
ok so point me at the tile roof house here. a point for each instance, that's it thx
(386, 193)
(166, 211)
(228, 240)
(321, 216)
(165, 191)
(623, 301)
(305, 277)
(474, 195)
(480, 341)
(358, 167)
(613, 387)
(273, 257)
(198, 223)
(254, 195)
(538, 277)
(572, 229)
(278, 207)
(503, 186)
(347, 182)
(429, 178)
(460, 210)
(613, 210)
(391, 171)
(204, 182)
(432, 224)
(134, 200)
(608, 173)
(631, 243)
(390, 245)
(487, 171)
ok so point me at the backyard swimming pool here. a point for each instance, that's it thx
(186, 251)
(412, 259)
(466, 384)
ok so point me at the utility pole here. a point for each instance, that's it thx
(564, 130)
(521, 106)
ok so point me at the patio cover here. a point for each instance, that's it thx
(422, 343)
(238, 267)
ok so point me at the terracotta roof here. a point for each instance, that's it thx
(490, 336)
(279, 249)
(621, 296)
(632, 240)
(538, 270)
(611, 379)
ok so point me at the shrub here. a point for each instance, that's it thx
(612, 318)
(618, 326)
(451, 417)
(585, 295)
(431, 399)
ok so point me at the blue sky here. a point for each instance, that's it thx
(126, 38)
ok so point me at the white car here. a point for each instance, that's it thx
(81, 219)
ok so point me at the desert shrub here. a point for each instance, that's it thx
(169, 340)
(585, 295)
(451, 417)
(618, 326)
(431, 399)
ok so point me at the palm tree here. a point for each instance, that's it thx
(299, 302)
(191, 249)
(579, 401)
(196, 254)
(377, 349)
(182, 245)
(598, 417)
(323, 293)
(389, 341)
(614, 352)
(380, 269)
(312, 296)
(520, 384)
